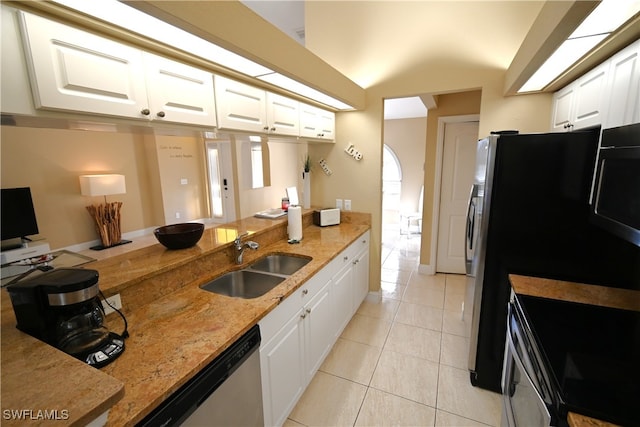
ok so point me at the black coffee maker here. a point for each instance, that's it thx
(61, 307)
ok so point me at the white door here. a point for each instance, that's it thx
(458, 165)
(221, 183)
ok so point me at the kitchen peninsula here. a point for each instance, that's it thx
(175, 327)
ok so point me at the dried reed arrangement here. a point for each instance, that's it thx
(107, 219)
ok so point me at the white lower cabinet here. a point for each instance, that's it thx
(361, 274)
(298, 334)
(282, 368)
(343, 295)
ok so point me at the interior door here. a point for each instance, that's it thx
(458, 167)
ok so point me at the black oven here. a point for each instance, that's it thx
(528, 399)
(566, 357)
(615, 204)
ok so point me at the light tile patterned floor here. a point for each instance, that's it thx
(403, 361)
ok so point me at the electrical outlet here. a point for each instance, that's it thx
(339, 203)
(177, 215)
(347, 204)
(115, 301)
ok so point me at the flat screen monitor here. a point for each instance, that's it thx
(17, 213)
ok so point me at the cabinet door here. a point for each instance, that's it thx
(74, 70)
(283, 115)
(319, 331)
(342, 296)
(327, 121)
(590, 98)
(178, 92)
(282, 367)
(316, 123)
(309, 121)
(623, 87)
(562, 109)
(240, 106)
(361, 278)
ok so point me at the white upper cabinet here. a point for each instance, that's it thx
(240, 106)
(283, 115)
(244, 107)
(178, 92)
(623, 87)
(74, 70)
(317, 123)
(608, 95)
(581, 104)
(563, 109)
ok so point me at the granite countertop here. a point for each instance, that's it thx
(579, 293)
(175, 327)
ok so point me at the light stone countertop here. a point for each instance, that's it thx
(175, 328)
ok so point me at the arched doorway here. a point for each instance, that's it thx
(391, 191)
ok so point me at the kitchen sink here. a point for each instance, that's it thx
(243, 284)
(280, 264)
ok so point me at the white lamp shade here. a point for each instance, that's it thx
(102, 185)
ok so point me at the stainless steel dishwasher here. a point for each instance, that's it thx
(227, 392)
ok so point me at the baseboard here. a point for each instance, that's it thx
(374, 297)
(427, 269)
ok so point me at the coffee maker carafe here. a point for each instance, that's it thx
(61, 307)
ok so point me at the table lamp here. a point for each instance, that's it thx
(107, 215)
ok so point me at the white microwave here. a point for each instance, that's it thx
(615, 204)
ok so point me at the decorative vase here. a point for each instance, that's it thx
(306, 190)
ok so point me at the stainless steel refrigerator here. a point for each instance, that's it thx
(529, 214)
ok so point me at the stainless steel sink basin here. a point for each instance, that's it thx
(280, 264)
(243, 284)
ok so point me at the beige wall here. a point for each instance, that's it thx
(455, 104)
(182, 178)
(286, 171)
(50, 161)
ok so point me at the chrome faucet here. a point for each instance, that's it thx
(240, 246)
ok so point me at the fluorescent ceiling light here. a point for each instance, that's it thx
(131, 19)
(285, 82)
(606, 18)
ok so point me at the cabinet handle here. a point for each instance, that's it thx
(273, 129)
(308, 311)
(305, 291)
(303, 315)
(345, 258)
(161, 114)
(145, 112)
(266, 128)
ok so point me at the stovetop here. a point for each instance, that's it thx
(594, 356)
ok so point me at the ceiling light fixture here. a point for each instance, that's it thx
(131, 19)
(604, 20)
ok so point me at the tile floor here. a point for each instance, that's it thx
(402, 361)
